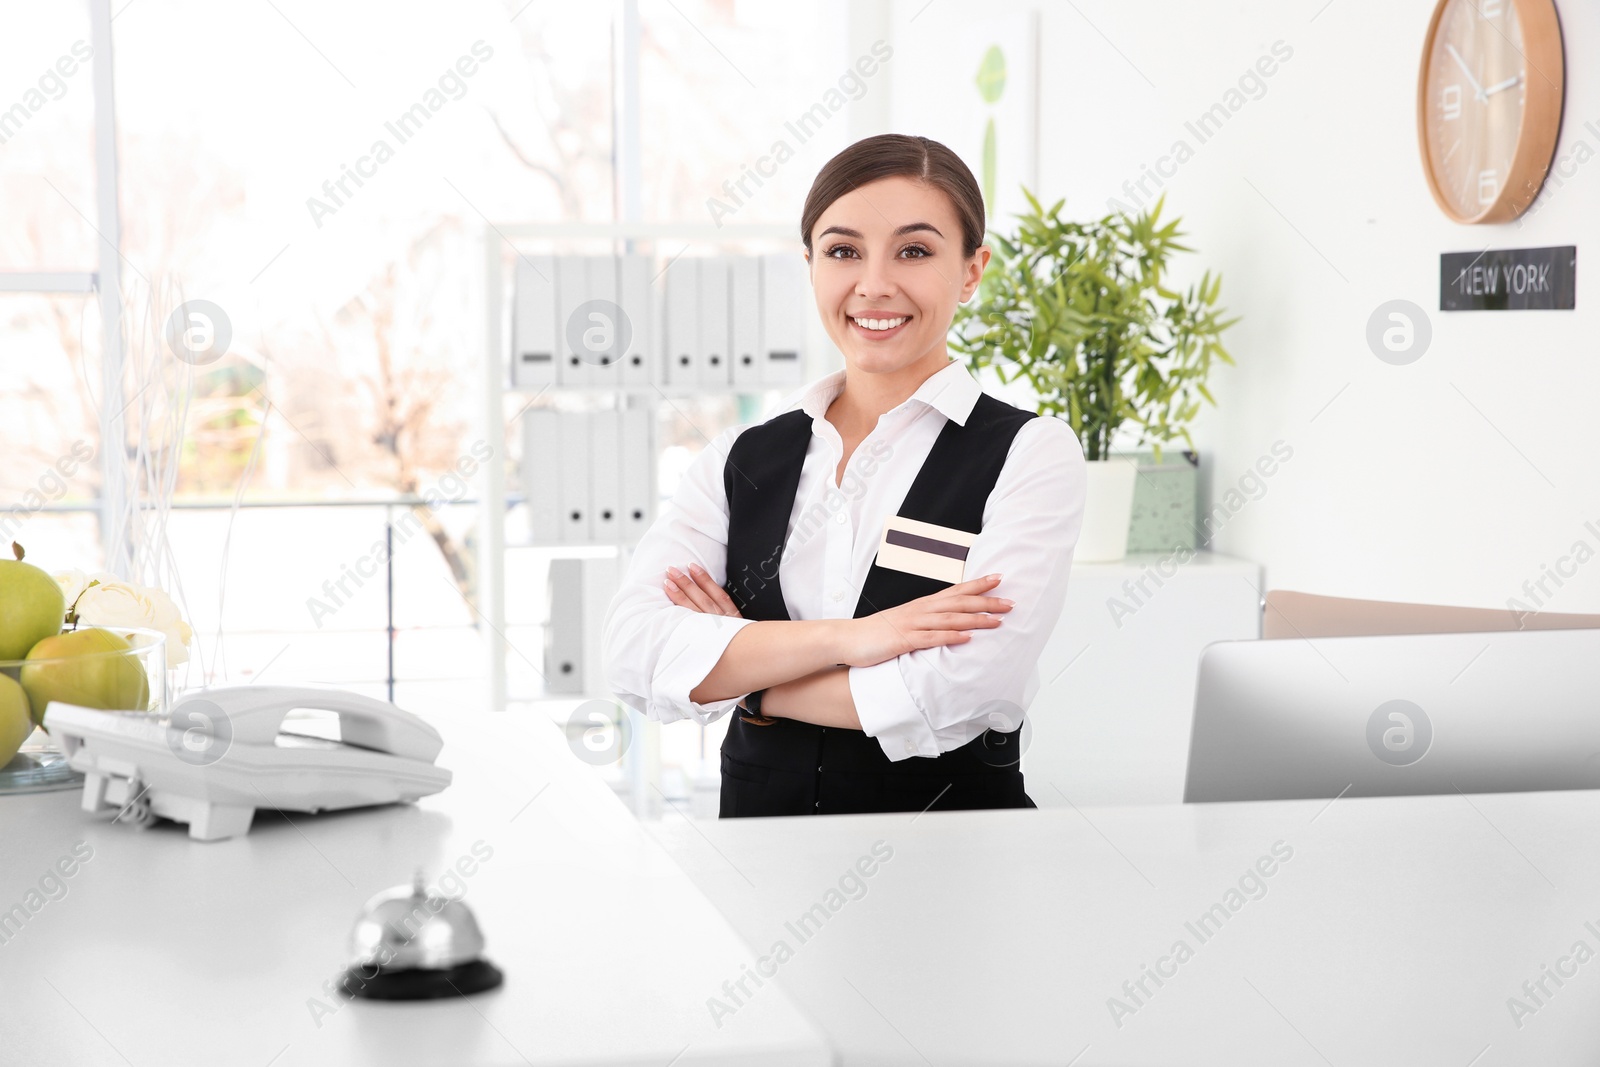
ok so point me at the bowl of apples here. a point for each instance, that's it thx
(44, 659)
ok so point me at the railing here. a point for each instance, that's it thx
(388, 504)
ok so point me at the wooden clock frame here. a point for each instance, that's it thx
(1545, 90)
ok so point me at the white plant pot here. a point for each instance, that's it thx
(1107, 511)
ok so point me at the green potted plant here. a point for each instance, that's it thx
(1081, 311)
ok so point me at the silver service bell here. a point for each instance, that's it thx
(412, 944)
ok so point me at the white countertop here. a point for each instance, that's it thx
(165, 951)
(1395, 933)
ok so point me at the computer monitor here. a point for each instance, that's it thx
(1396, 715)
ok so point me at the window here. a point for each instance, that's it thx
(314, 174)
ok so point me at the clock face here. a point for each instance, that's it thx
(1474, 91)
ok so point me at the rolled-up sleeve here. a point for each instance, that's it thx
(656, 652)
(932, 700)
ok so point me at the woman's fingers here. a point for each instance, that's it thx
(974, 595)
(943, 602)
(697, 590)
(948, 603)
(961, 620)
(691, 592)
(718, 595)
(947, 617)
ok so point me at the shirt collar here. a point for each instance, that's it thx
(951, 390)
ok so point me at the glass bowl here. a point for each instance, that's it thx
(136, 676)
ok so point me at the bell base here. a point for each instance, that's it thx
(420, 983)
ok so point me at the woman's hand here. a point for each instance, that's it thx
(941, 618)
(698, 592)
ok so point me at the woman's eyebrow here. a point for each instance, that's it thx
(910, 227)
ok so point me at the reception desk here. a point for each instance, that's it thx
(1359, 932)
(160, 950)
(1405, 931)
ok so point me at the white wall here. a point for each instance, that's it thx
(1452, 480)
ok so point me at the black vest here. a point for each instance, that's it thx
(795, 768)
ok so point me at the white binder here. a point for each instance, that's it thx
(638, 457)
(541, 465)
(744, 305)
(605, 476)
(533, 323)
(572, 284)
(716, 333)
(784, 293)
(577, 526)
(580, 591)
(601, 328)
(639, 360)
(682, 313)
(564, 629)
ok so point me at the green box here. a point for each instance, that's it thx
(1166, 500)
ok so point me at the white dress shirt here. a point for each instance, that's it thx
(923, 702)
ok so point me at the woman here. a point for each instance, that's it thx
(835, 574)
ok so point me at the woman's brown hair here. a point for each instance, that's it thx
(890, 155)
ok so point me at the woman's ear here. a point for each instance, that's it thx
(974, 272)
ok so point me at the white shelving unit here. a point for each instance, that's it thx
(499, 244)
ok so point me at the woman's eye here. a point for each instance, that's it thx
(841, 251)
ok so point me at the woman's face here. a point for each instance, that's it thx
(889, 253)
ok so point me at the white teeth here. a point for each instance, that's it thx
(880, 324)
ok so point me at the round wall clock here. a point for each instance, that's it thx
(1489, 105)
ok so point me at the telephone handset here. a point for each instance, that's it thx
(255, 714)
(218, 754)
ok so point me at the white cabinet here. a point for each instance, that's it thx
(1110, 723)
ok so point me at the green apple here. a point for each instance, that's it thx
(31, 607)
(98, 679)
(15, 722)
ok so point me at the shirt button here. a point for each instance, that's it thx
(817, 804)
(838, 596)
(819, 768)
(839, 518)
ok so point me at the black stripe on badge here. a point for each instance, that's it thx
(925, 544)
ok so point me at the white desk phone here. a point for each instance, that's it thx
(219, 754)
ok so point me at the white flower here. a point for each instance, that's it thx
(72, 583)
(169, 622)
(113, 602)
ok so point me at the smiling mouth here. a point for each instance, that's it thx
(878, 328)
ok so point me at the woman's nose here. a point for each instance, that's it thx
(875, 281)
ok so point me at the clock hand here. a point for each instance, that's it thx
(1476, 88)
(1508, 83)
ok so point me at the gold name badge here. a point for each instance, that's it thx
(925, 548)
